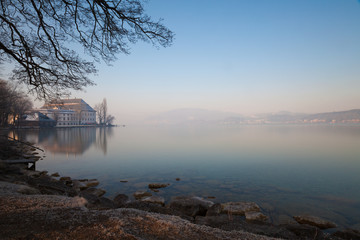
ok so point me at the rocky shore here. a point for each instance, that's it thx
(37, 205)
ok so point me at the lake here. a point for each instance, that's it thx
(287, 170)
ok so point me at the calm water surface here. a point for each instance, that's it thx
(287, 170)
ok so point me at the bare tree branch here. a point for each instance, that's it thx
(40, 36)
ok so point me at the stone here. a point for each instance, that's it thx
(214, 210)
(315, 221)
(13, 188)
(256, 216)
(121, 200)
(90, 182)
(65, 179)
(347, 234)
(239, 208)
(177, 179)
(141, 194)
(305, 231)
(55, 174)
(191, 206)
(158, 185)
(95, 191)
(154, 199)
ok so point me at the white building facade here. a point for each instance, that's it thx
(70, 112)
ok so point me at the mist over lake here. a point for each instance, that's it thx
(286, 169)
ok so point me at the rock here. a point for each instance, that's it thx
(89, 183)
(154, 199)
(158, 185)
(347, 234)
(305, 231)
(123, 181)
(55, 174)
(7, 188)
(315, 221)
(214, 210)
(177, 179)
(95, 191)
(46, 185)
(239, 208)
(79, 186)
(43, 173)
(33, 174)
(141, 194)
(256, 216)
(121, 200)
(191, 206)
(65, 179)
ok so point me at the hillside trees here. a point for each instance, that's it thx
(42, 39)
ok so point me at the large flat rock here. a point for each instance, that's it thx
(61, 217)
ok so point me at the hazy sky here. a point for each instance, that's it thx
(244, 56)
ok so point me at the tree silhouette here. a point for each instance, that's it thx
(40, 37)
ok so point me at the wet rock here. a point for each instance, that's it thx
(315, 221)
(55, 174)
(141, 194)
(347, 234)
(33, 174)
(158, 185)
(65, 179)
(177, 179)
(90, 182)
(305, 231)
(47, 186)
(214, 210)
(121, 200)
(95, 191)
(190, 206)
(154, 199)
(78, 186)
(239, 208)
(256, 216)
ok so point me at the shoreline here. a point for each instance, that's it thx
(31, 185)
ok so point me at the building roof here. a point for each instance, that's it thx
(76, 104)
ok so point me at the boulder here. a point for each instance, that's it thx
(154, 199)
(65, 179)
(256, 216)
(239, 208)
(214, 210)
(191, 206)
(315, 221)
(158, 185)
(95, 191)
(347, 234)
(90, 182)
(55, 174)
(141, 194)
(121, 200)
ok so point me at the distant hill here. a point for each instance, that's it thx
(335, 117)
(191, 116)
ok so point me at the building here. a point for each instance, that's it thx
(70, 112)
(35, 120)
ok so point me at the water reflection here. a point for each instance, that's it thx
(67, 140)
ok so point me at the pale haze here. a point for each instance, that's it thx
(239, 56)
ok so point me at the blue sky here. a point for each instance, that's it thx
(240, 56)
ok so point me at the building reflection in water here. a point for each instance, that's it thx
(67, 140)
